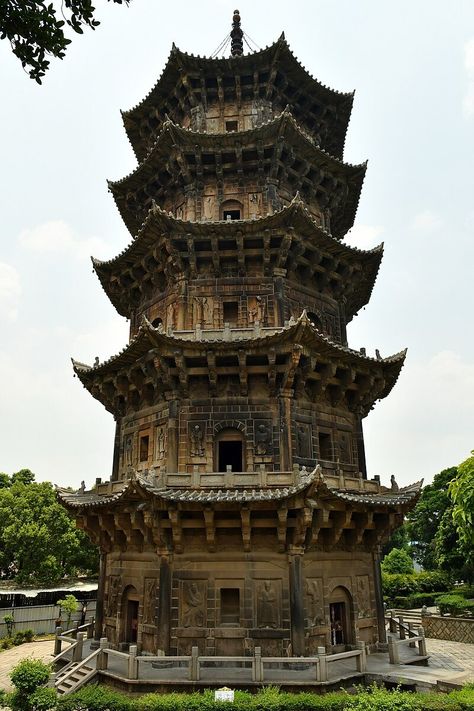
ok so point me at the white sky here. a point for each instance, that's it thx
(412, 65)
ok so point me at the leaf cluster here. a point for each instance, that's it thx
(39, 542)
(35, 31)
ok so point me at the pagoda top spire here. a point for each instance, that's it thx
(237, 45)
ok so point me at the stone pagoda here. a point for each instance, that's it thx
(239, 512)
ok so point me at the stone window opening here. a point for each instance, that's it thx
(230, 451)
(231, 312)
(232, 210)
(325, 446)
(144, 447)
(157, 322)
(230, 606)
(231, 126)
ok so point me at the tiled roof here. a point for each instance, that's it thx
(312, 483)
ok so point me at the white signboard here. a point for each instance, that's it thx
(224, 694)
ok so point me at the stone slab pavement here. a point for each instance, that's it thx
(9, 658)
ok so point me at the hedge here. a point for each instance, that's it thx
(100, 698)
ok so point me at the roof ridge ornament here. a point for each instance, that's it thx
(236, 34)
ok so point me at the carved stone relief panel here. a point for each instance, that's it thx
(363, 596)
(115, 584)
(255, 205)
(257, 310)
(208, 202)
(267, 599)
(172, 315)
(149, 601)
(128, 450)
(345, 447)
(192, 603)
(303, 440)
(196, 438)
(181, 211)
(160, 442)
(203, 310)
(315, 602)
(263, 438)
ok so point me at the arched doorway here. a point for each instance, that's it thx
(341, 617)
(229, 450)
(130, 605)
(231, 210)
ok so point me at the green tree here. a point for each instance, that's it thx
(24, 476)
(461, 491)
(398, 561)
(69, 605)
(4, 480)
(424, 520)
(35, 31)
(39, 541)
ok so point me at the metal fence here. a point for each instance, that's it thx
(40, 618)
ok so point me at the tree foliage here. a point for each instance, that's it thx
(398, 561)
(35, 31)
(39, 542)
(461, 491)
(425, 519)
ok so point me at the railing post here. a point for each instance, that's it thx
(52, 680)
(194, 664)
(90, 629)
(392, 622)
(132, 662)
(411, 633)
(57, 641)
(77, 651)
(401, 627)
(257, 665)
(393, 653)
(102, 658)
(422, 642)
(323, 664)
(361, 660)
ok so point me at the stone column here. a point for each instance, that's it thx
(100, 602)
(285, 432)
(163, 618)
(295, 560)
(116, 457)
(279, 296)
(360, 447)
(173, 432)
(379, 596)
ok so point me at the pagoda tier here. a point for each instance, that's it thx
(291, 394)
(194, 90)
(148, 274)
(299, 508)
(195, 175)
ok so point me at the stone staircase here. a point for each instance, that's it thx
(71, 677)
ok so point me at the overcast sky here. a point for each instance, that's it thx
(412, 66)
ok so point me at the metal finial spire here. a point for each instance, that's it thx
(237, 45)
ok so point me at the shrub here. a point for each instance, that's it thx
(19, 638)
(452, 604)
(6, 643)
(28, 635)
(43, 699)
(424, 598)
(432, 581)
(95, 698)
(9, 620)
(29, 674)
(379, 699)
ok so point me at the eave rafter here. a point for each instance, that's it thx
(167, 249)
(311, 515)
(155, 363)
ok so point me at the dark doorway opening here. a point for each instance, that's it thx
(337, 611)
(230, 606)
(231, 214)
(231, 312)
(325, 446)
(230, 454)
(132, 621)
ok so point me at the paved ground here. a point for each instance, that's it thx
(10, 658)
(450, 662)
